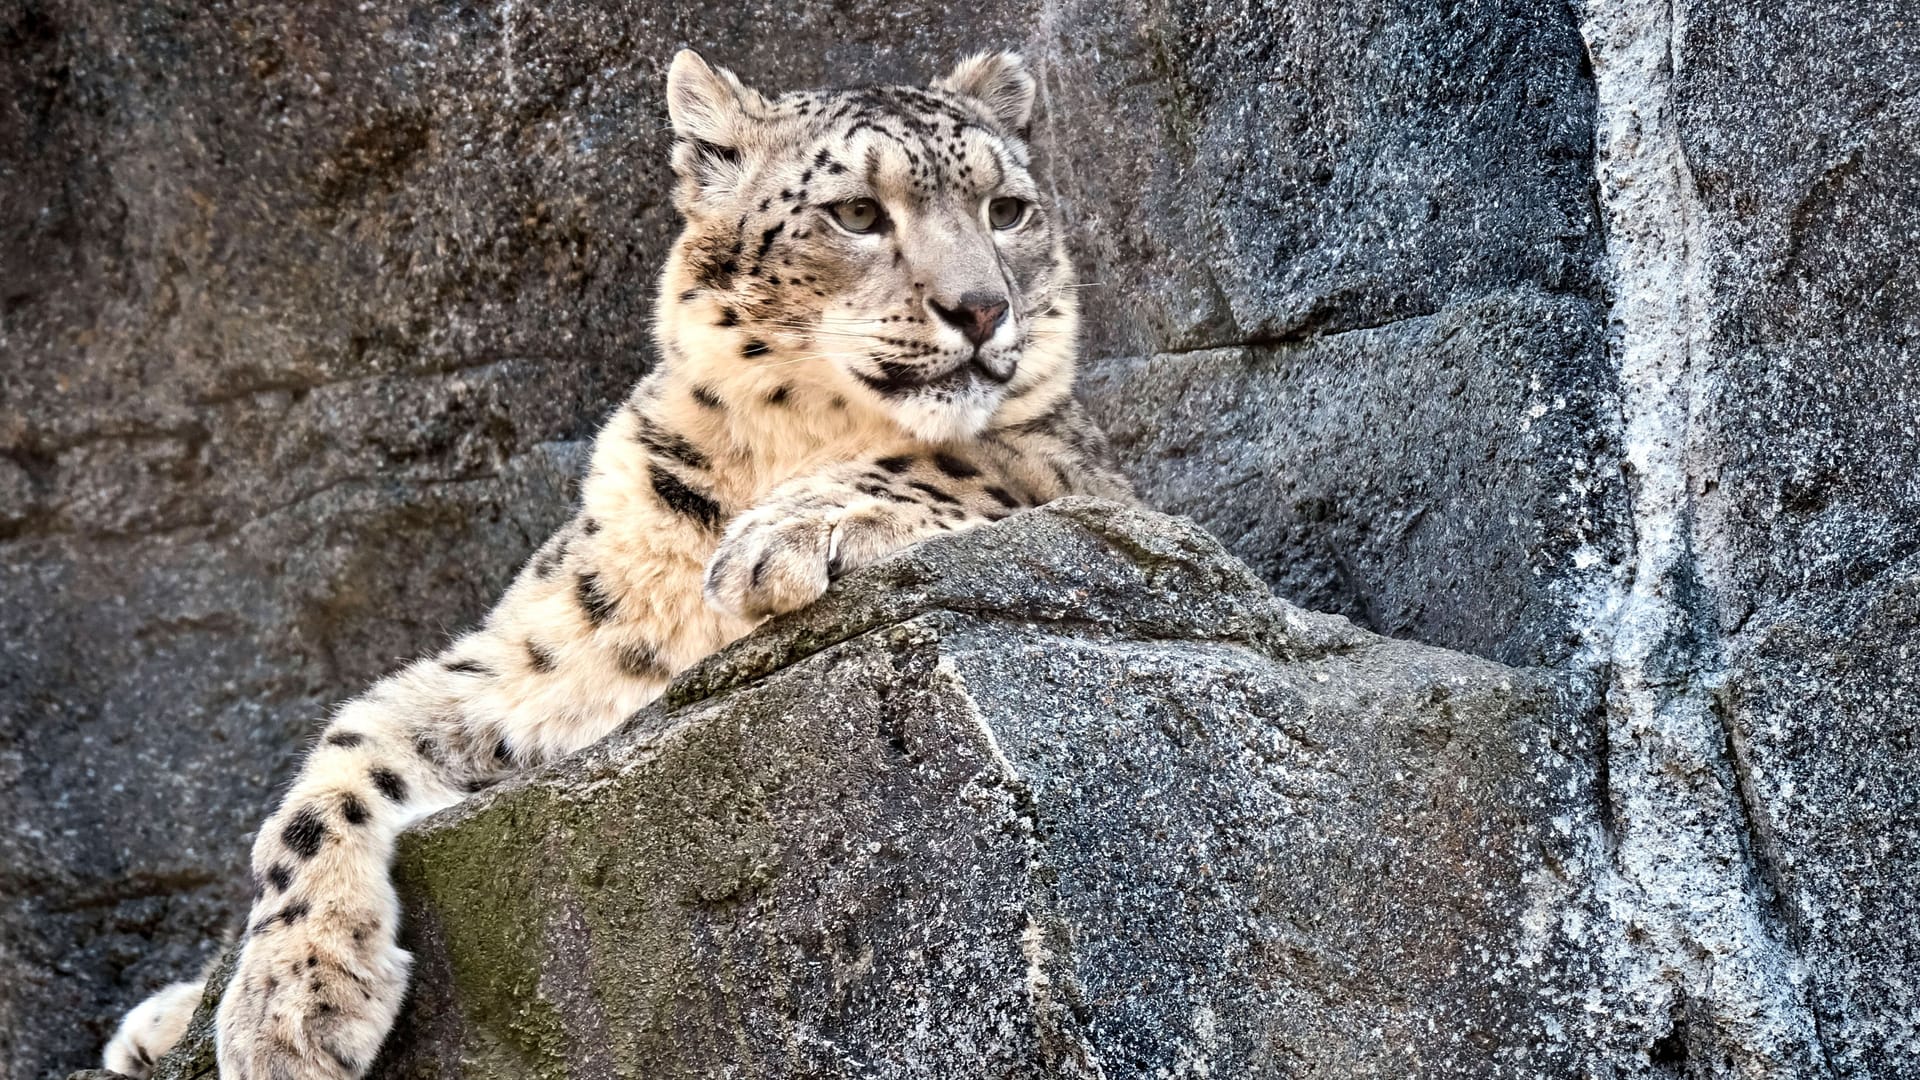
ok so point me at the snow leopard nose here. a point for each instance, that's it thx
(977, 315)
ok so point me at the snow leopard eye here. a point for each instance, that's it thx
(857, 215)
(1005, 212)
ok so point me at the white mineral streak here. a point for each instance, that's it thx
(1679, 879)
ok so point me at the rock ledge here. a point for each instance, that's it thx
(1073, 795)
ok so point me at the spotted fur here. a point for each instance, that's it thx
(827, 395)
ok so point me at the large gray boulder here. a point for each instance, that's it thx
(1072, 795)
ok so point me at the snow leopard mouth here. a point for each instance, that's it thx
(899, 380)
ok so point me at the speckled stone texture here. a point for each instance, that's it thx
(1385, 208)
(1322, 464)
(1805, 145)
(1132, 816)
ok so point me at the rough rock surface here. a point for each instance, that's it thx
(1564, 335)
(1761, 189)
(1807, 166)
(1069, 796)
(1344, 470)
(1384, 211)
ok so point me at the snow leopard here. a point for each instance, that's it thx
(867, 337)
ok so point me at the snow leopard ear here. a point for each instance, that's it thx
(1000, 82)
(713, 115)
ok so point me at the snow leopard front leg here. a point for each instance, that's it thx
(781, 554)
(572, 649)
(321, 976)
